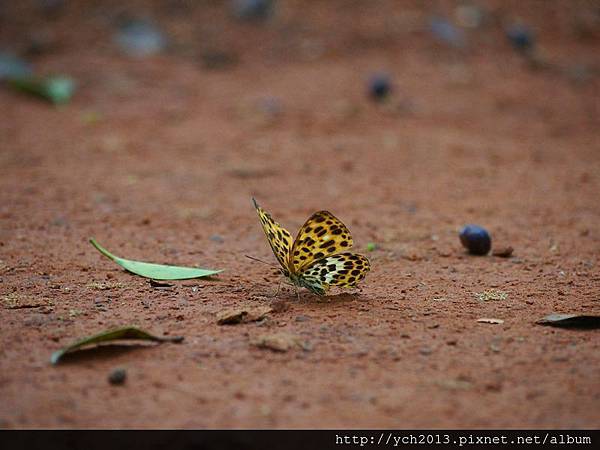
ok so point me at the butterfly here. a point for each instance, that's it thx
(318, 258)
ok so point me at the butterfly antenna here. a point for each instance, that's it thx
(255, 204)
(260, 260)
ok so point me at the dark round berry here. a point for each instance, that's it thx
(521, 37)
(379, 86)
(117, 376)
(475, 239)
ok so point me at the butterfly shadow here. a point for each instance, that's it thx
(288, 292)
(342, 297)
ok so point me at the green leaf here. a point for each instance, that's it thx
(156, 271)
(125, 333)
(57, 89)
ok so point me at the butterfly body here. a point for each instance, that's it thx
(318, 258)
(311, 285)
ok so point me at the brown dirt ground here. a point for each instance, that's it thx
(154, 156)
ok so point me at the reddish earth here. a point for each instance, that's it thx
(156, 157)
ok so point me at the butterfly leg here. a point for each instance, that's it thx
(276, 294)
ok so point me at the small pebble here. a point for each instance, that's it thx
(51, 7)
(379, 87)
(218, 60)
(252, 10)
(520, 37)
(469, 16)
(475, 239)
(444, 31)
(270, 106)
(138, 39)
(13, 67)
(117, 376)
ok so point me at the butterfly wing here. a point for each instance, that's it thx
(344, 270)
(322, 235)
(279, 238)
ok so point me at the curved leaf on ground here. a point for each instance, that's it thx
(156, 271)
(119, 334)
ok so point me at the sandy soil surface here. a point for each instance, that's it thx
(158, 158)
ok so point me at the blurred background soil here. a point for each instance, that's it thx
(185, 110)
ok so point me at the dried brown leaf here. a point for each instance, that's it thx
(232, 316)
(490, 320)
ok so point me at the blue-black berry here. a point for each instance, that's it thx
(475, 239)
(379, 86)
(521, 37)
